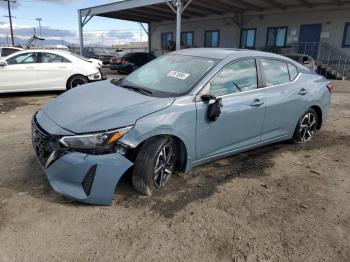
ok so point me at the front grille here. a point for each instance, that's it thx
(42, 142)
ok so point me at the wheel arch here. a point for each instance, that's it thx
(67, 82)
(319, 115)
(181, 150)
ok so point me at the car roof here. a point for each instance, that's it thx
(222, 53)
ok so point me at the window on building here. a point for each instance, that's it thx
(238, 77)
(165, 38)
(187, 39)
(212, 38)
(248, 38)
(293, 72)
(346, 38)
(276, 36)
(275, 72)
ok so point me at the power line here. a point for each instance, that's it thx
(9, 2)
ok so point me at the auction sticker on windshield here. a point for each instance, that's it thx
(178, 75)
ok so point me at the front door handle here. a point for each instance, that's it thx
(257, 102)
(302, 92)
(62, 67)
(30, 67)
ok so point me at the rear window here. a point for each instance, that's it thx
(276, 72)
(8, 51)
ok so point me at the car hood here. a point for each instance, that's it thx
(101, 106)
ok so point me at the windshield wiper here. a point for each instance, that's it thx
(137, 89)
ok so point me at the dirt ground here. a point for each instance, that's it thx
(278, 203)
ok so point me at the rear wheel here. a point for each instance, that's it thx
(306, 127)
(154, 165)
(76, 80)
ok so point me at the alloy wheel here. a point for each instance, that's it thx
(78, 82)
(164, 166)
(308, 127)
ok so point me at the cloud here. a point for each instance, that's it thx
(65, 2)
(92, 37)
(28, 31)
(125, 36)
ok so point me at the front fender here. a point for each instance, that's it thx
(178, 120)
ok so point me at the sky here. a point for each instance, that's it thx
(60, 21)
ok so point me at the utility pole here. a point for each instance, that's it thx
(9, 2)
(39, 21)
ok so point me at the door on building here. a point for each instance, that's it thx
(309, 39)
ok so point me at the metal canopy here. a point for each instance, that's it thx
(149, 11)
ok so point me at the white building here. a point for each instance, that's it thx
(320, 28)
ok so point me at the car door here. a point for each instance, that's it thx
(53, 71)
(241, 120)
(20, 73)
(285, 101)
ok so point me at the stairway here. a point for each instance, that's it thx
(330, 62)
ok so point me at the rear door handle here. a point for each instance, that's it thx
(62, 67)
(302, 92)
(257, 102)
(30, 67)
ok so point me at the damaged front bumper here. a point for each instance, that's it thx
(87, 178)
(83, 177)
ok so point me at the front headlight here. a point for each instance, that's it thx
(94, 141)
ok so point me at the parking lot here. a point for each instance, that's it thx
(279, 203)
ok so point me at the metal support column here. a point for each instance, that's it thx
(149, 37)
(178, 23)
(81, 33)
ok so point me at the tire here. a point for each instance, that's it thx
(306, 127)
(150, 157)
(75, 81)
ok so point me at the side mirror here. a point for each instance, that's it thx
(3, 63)
(215, 105)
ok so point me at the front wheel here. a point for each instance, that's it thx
(154, 165)
(306, 127)
(75, 81)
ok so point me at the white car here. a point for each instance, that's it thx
(39, 70)
(97, 62)
(6, 51)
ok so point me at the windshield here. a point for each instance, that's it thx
(171, 75)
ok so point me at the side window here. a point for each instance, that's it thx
(26, 58)
(53, 58)
(238, 77)
(293, 72)
(276, 72)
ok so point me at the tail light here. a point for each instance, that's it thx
(330, 88)
(116, 60)
(124, 60)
